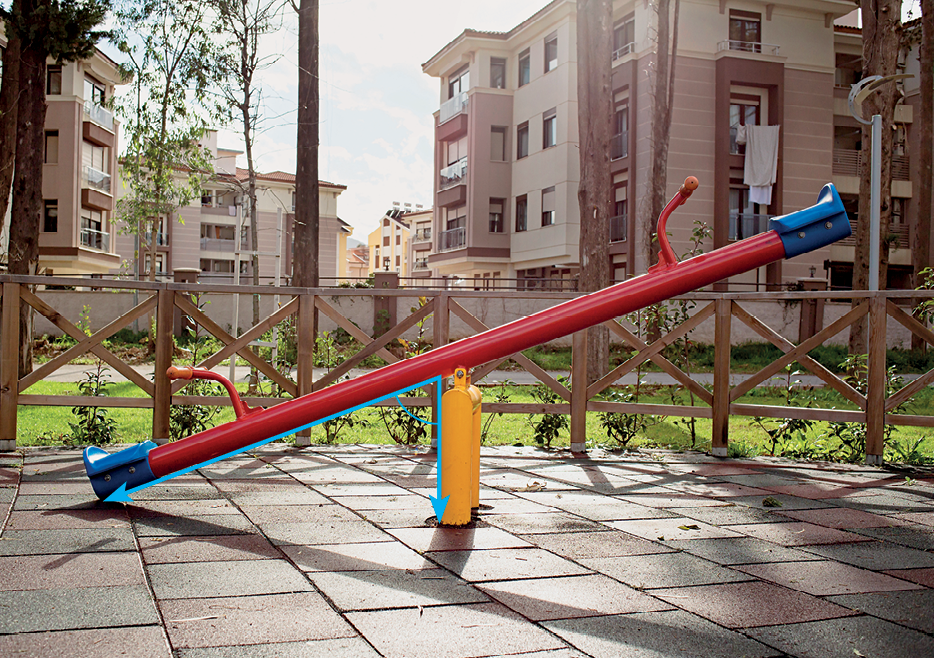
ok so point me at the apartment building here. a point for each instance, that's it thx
(402, 241)
(80, 157)
(506, 136)
(203, 236)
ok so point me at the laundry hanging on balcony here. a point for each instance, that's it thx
(761, 165)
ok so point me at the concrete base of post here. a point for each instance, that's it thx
(302, 440)
(7, 445)
(719, 452)
(874, 460)
(578, 447)
(161, 442)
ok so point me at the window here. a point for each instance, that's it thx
(50, 216)
(498, 143)
(53, 80)
(522, 141)
(497, 73)
(549, 128)
(459, 81)
(456, 150)
(294, 196)
(619, 143)
(745, 220)
(92, 230)
(385, 240)
(522, 213)
(217, 232)
(496, 215)
(51, 147)
(742, 113)
(618, 228)
(624, 36)
(548, 206)
(551, 53)
(745, 31)
(94, 91)
(207, 199)
(525, 67)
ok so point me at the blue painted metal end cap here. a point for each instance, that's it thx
(129, 467)
(812, 228)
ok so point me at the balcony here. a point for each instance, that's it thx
(618, 228)
(749, 47)
(745, 225)
(452, 107)
(619, 146)
(95, 239)
(99, 115)
(95, 190)
(95, 179)
(423, 235)
(619, 53)
(899, 236)
(452, 239)
(162, 239)
(455, 174)
(421, 263)
(220, 244)
(849, 162)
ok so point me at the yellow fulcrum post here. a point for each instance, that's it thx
(460, 449)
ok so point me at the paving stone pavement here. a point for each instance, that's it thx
(332, 551)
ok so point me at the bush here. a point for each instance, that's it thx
(93, 425)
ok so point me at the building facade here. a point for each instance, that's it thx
(506, 138)
(402, 241)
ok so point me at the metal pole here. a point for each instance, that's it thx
(874, 202)
(232, 376)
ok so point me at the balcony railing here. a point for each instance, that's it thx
(95, 239)
(454, 174)
(749, 47)
(219, 244)
(453, 239)
(849, 162)
(900, 236)
(99, 115)
(744, 225)
(96, 180)
(619, 53)
(452, 107)
(423, 235)
(619, 146)
(421, 264)
(618, 228)
(162, 239)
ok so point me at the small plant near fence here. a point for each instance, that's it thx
(547, 428)
(93, 425)
(789, 436)
(499, 394)
(621, 428)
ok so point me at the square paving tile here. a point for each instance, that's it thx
(845, 638)
(510, 504)
(569, 597)
(656, 635)
(379, 488)
(825, 577)
(334, 532)
(396, 588)
(840, 517)
(57, 502)
(663, 570)
(884, 502)
(485, 629)
(921, 518)
(383, 502)
(717, 489)
(741, 605)
(245, 620)
(797, 534)
(548, 522)
(147, 642)
(64, 609)
(596, 507)
(921, 576)
(55, 542)
(818, 491)
(349, 647)
(875, 555)
(188, 491)
(670, 529)
(609, 543)
(68, 519)
(175, 526)
(150, 508)
(318, 513)
(396, 518)
(920, 537)
(727, 515)
(759, 480)
(73, 570)
(355, 557)
(787, 502)
(740, 550)
(914, 609)
(505, 564)
(217, 579)
(160, 550)
(673, 499)
(456, 539)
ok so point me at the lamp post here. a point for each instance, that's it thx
(858, 93)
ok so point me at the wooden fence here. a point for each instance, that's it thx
(164, 300)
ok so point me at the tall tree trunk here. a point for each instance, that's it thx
(251, 187)
(881, 39)
(9, 101)
(305, 254)
(921, 240)
(595, 193)
(27, 180)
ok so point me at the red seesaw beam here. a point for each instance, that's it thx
(790, 236)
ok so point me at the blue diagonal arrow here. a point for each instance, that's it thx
(122, 494)
(437, 502)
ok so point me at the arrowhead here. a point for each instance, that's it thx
(119, 496)
(439, 504)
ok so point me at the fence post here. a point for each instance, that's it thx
(305, 337)
(9, 365)
(721, 378)
(162, 397)
(579, 391)
(440, 328)
(875, 397)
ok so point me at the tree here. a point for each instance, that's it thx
(595, 194)
(921, 244)
(9, 101)
(881, 41)
(165, 163)
(307, 220)
(46, 29)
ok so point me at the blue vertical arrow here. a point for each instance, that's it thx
(437, 502)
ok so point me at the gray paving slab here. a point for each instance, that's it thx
(740, 550)
(66, 609)
(61, 502)
(669, 634)
(845, 638)
(920, 537)
(609, 543)
(785, 501)
(75, 540)
(877, 555)
(351, 647)
(727, 515)
(505, 563)
(548, 522)
(394, 588)
(335, 532)
(146, 642)
(174, 526)
(914, 608)
(663, 570)
(220, 579)
(355, 557)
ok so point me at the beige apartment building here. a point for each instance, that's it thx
(402, 241)
(78, 184)
(203, 236)
(506, 137)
